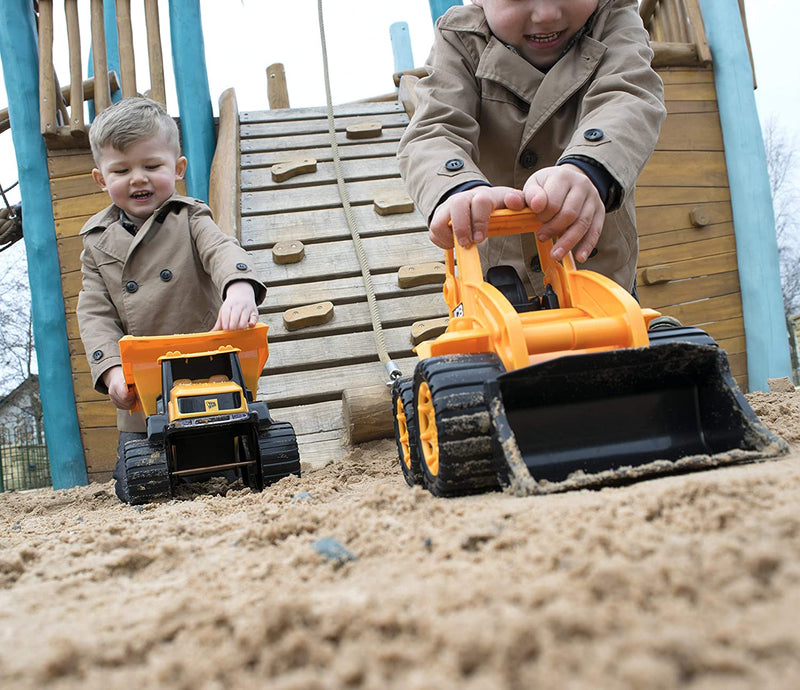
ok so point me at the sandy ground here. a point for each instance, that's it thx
(349, 578)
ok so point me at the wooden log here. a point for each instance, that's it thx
(47, 88)
(76, 90)
(127, 61)
(223, 187)
(158, 91)
(367, 413)
(672, 54)
(277, 91)
(102, 96)
(407, 94)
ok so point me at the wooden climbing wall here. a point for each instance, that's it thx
(309, 368)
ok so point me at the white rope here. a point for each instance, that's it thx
(383, 353)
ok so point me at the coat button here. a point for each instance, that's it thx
(131, 286)
(528, 159)
(166, 275)
(454, 164)
(241, 267)
(593, 134)
(97, 354)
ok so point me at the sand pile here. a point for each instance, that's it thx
(349, 578)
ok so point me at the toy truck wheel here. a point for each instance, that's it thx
(455, 436)
(405, 429)
(279, 454)
(146, 472)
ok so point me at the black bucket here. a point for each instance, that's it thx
(591, 413)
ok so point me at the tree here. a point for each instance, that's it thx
(782, 166)
(17, 353)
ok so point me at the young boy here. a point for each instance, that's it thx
(549, 104)
(153, 262)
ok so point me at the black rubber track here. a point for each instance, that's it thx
(279, 454)
(403, 389)
(146, 472)
(464, 431)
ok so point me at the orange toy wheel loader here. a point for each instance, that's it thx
(197, 393)
(569, 390)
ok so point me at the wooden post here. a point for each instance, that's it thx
(158, 91)
(194, 98)
(127, 61)
(76, 121)
(102, 93)
(367, 413)
(19, 57)
(401, 46)
(47, 87)
(277, 92)
(751, 198)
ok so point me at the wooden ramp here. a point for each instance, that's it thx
(310, 367)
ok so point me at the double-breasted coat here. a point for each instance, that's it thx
(170, 277)
(485, 113)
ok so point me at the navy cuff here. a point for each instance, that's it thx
(463, 187)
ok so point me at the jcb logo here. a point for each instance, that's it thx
(211, 405)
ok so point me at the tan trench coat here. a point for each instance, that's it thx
(168, 278)
(495, 117)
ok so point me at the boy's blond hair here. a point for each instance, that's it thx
(131, 120)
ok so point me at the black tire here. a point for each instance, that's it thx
(454, 431)
(405, 430)
(280, 457)
(146, 472)
(665, 333)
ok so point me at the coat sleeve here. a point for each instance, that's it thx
(439, 149)
(98, 320)
(624, 101)
(222, 256)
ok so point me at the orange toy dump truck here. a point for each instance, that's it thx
(197, 393)
(577, 388)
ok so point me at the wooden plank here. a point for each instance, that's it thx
(694, 250)
(706, 311)
(69, 252)
(353, 317)
(338, 259)
(653, 241)
(255, 179)
(340, 290)
(678, 75)
(690, 92)
(100, 448)
(691, 132)
(721, 330)
(315, 225)
(69, 227)
(676, 107)
(81, 206)
(72, 164)
(668, 196)
(70, 282)
(322, 154)
(282, 390)
(681, 168)
(343, 110)
(264, 130)
(661, 219)
(327, 195)
(304, 142)
(666, 295)
(92, 415)
(72, 186)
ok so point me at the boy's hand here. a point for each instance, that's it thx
(569, 207)
(239, 309)
(469, 212)
(122, 397)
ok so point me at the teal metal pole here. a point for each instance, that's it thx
(439, 7)
(751, 199)
(19, 55)
(194, 98)
(401, 46)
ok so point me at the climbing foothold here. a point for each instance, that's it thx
(283, 171)
(288, 252)
(387, 205)
(421, 274)
(364, 130)
(309, 315)
(430, 328)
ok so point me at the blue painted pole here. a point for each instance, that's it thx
(194, 98)
(439, 7)
(751, 199)
(20, 59)
(401, 46)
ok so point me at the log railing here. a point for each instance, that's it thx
(677, 33)
(62, 110)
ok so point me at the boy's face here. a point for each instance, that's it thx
(140, 178)
(538, 29)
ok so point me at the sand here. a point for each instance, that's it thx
(348, 578)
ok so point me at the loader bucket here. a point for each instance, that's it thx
(594, 418)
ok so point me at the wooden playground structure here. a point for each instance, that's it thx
(274, 183)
